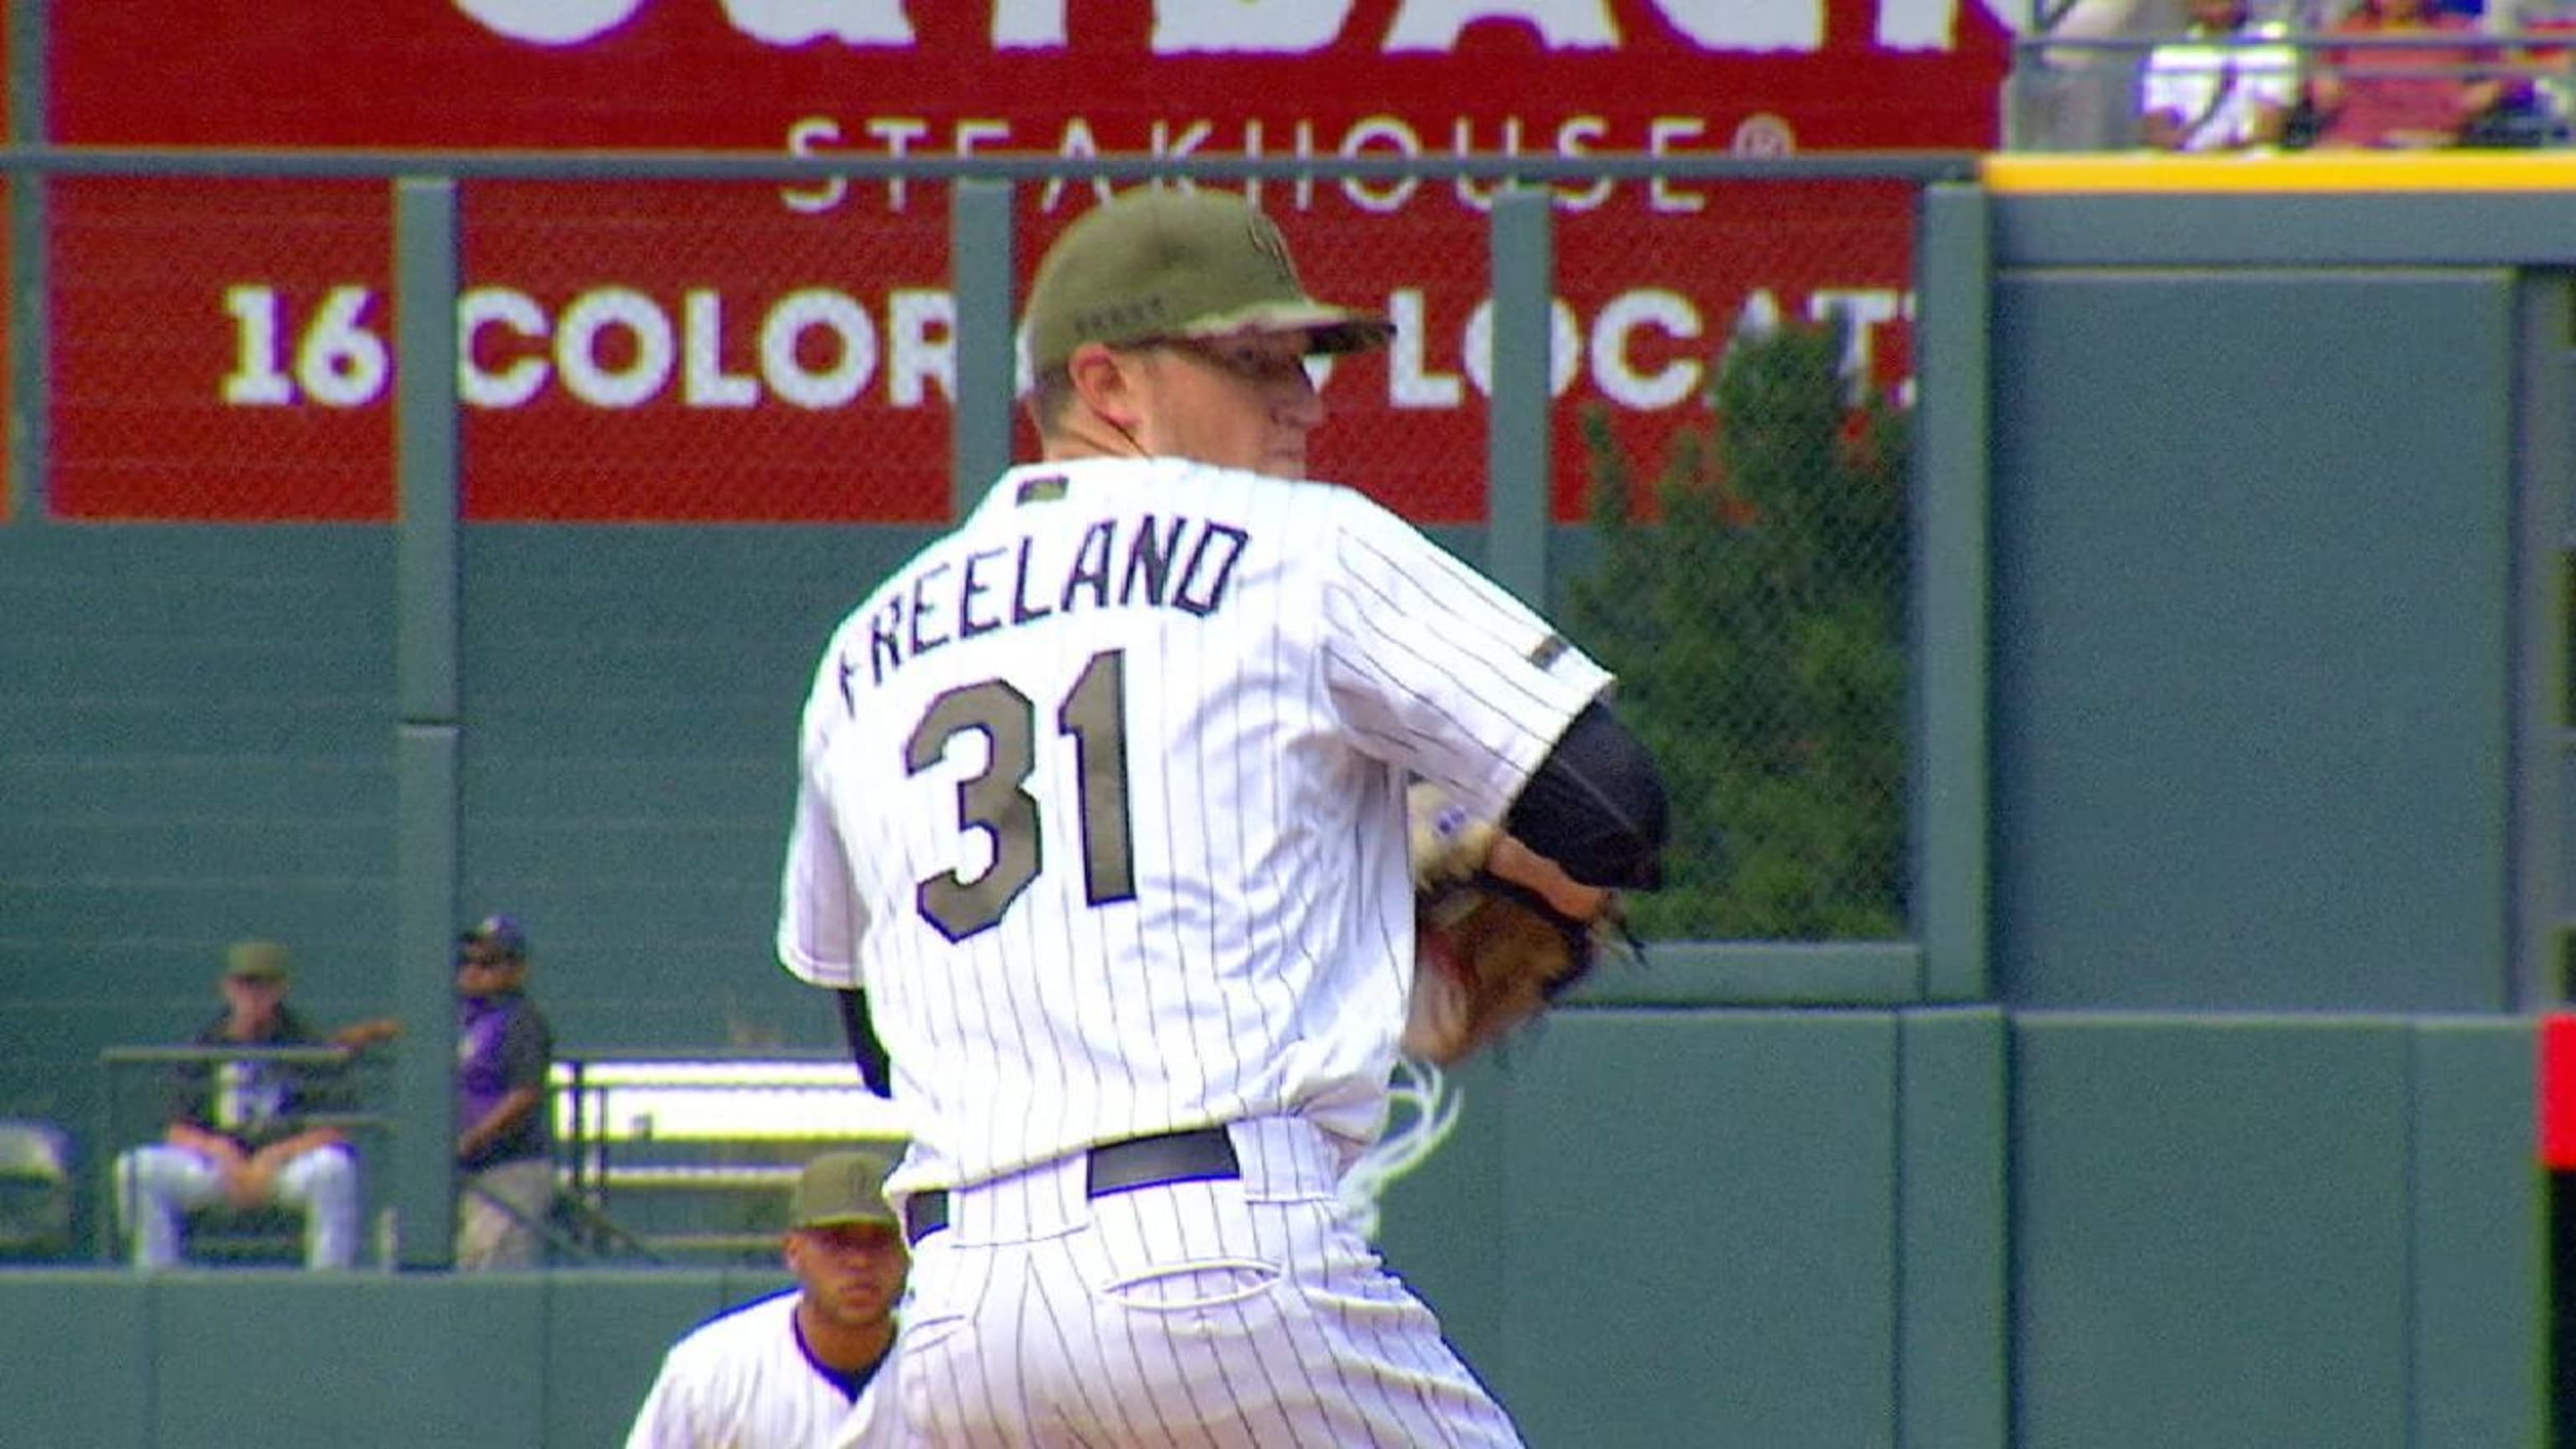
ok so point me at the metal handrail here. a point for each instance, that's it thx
(319, 1055)
(682, 165)
(2305, 41)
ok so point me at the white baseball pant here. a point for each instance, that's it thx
(1215, 1313)
(156, 1186)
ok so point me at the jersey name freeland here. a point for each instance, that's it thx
(1102, 802)
(1124, 562)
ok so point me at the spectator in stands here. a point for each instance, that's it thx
(237, 1129)
(2226, 85)
(794, 1368)
(2539, 100)
(2550, 53)
(2402, 97)
(505, 1138)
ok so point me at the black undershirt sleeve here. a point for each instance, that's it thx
(1596, 805)
(875, 1067)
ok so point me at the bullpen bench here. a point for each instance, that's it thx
(672, 1156)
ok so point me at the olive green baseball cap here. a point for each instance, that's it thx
(257, 961)
(840, 1188)
(1155, 263)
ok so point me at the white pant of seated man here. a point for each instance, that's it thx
(158, 1186)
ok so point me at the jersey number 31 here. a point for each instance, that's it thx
(997, 802)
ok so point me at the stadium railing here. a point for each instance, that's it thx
(667, 1155)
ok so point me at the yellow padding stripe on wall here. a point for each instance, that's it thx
(2294, 172)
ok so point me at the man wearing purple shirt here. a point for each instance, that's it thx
(504, 1144)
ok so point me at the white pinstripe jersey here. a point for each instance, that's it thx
(741, 1381)
(1100, 802)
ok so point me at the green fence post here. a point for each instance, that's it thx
(429, 731)
(980, 271)
(1518, 438)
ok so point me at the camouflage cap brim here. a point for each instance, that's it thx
(1330, 329)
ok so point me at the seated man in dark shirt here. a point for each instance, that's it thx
(237, 1131)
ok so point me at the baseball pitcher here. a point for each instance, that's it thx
(1104, 817)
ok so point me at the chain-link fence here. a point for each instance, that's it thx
(1729, 372)
(694, 416)
(1751, 596)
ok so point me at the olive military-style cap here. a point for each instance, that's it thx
(256, 961)
(840, 1188)
(1153, 263)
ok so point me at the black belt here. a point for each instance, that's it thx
(1195, 1156)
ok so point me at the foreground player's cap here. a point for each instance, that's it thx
(840, 1188)
(1152, 263)
(256, 961)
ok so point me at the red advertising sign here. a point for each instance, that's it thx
(784, 351)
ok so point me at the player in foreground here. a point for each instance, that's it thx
(797, 1369)
(1104, 809)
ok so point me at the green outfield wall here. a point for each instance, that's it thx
(2248, 491)
(1686, 1227)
